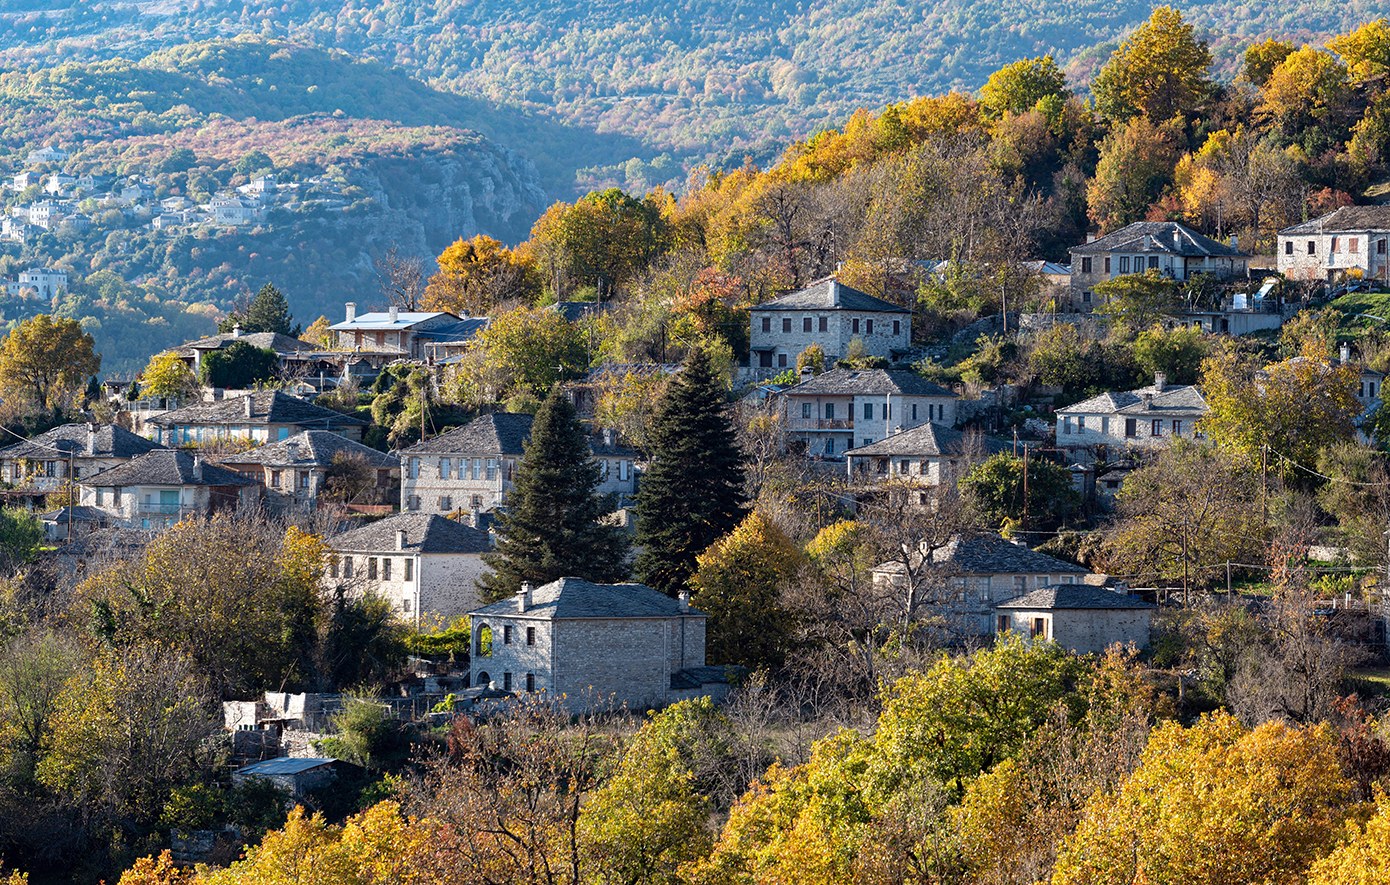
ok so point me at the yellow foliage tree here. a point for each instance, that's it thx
(478, 274)
(1363, 858)
(44, 362)
(1161, 70)
(167, 375)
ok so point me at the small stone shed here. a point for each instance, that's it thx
(1081, 618)
(298, 777)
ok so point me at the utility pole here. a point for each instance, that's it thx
(1025, 484)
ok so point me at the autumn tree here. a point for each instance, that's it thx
(1361, 857)
(998, 492)
(555, 524)
(1016, 88)
(1137, 301)
(1308, 90)
(168, 376)
(602, 240)
(1136, 162)
(478, 274)
(522, 352)
(239, 365)
(692, 495)
(1159, 71)
(1178, 353)
(1262, 58)
(44, 362)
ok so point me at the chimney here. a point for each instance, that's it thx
(394, 313)
(523, 599)
(248, 405)
(1346, 354)
(1090, 237)
(92, 438)
(351, 311)
(475, 516)
(684, 598)
(1148, 242)
(197, 468)
(236, 330)
(1160, 382)
(292, 451)
(608, 437)
(1148, 401)
(400, 539)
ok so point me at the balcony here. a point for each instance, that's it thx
(819, 424)
(162, 509)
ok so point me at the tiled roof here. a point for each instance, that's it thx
(285, 765)
(1074, 596)
(382, 320)
(268, 407)
(454, 333)
(829, 294)
(80, 513)
(1164, 237)
(166, 467)
(992, 555)
(576, 598)
(1181, 399)
(268, 340)
(424, 533)
(576, 310)
(929, 440)
(500, 433)
(111, 442)
(317, 447)
(867, 382)
(1347, 218)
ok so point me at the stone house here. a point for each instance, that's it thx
(929, 455)
(263, 416)
(1352, 240)
(1172, 249)
(594, 642)
(1081, 618)
(426, 566)
(89, 449)
(165, 486)
(830, 314)
(397, 333)
(293, 353)
(973, 574)
(848, 408)
(292, 471)
(1150, 417)
(472, 467)
(298, 776)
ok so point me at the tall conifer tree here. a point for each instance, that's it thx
(551, 528)
(269, 312)
(692, 495)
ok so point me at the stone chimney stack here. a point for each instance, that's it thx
(351, 311)
(1090, 237)
(523, 599)
(394, 314)
(400, 539)
(197, 468)
(608, 437)
(248, 406)
(1346, 354)
(92, 438)
(684, 598)
(1148, 401)
(236, 331)
(1160, 382)
(292, 451)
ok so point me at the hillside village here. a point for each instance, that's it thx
(940, 504)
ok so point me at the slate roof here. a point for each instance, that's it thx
(166, 467)
(570, 598)
(317, 447)
(111, 442)
(930, 440)
(381, 320)
(991, 554)
(80, 513)
(829, 294)
(454, 333)
(424, 533)
(502, 433)
(867, 382)
(1074, 596)
(1166, 237)
(1177, 400)
(577, 310)
(268, 340)
(269, 407)
(620, 371)
(1347, 218)
(285, 765)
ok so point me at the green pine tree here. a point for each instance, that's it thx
(269, 312)
(692, 495)
(552, 526)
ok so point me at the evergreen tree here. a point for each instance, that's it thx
(692, 495)
(552, 525)
(269, 312)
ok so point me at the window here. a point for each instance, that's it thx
(1334, 245)
(332, 566)
(904, 467)
(1380, 247)
(371, 568)
(1312, 247)
(805, 410)
(506, 682)
(1080, 423)
(786, 324)
(412, 503)
(854, 326)
(1066, 424)
(914, 411)
(414, 468)
(1177, 428)
(1353, 245)
(1085, 265)
(386, 569)
(897, 328)
(99, 496)
(275, 479)
(1131, 427)
(530, 635)
(1105, 425)
(409, 569)
(1153, 262)
(1020, 583)
(781, 360)
(405, 604)
(1288, 247)
(1085, 297)
(1124, 264)
(446, 503)
(805, 324)
(347, 566)
(868, 327)
(1003, 623)
(1156, 427)
(303, 479)
(491, 469)
(868, 410)
(830, 411)
(507, 635)
(868, 441)
(476, 502)
(1038, 629)
(477, 468)
(830, 445)
(1107, 264)
(444, 468)
(824, 324)
(530, 681)
(767, 324)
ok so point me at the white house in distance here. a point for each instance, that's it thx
(591, 642)
(425, 565)
(395, 332)
(928, 455)
(1145, 418)
(830, 314)
(1351, 239)
(165, 486)
(848, 408)
(40, 282)
(1079, 617)
(1172, 249)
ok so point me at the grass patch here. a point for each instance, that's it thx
(1371, 681)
